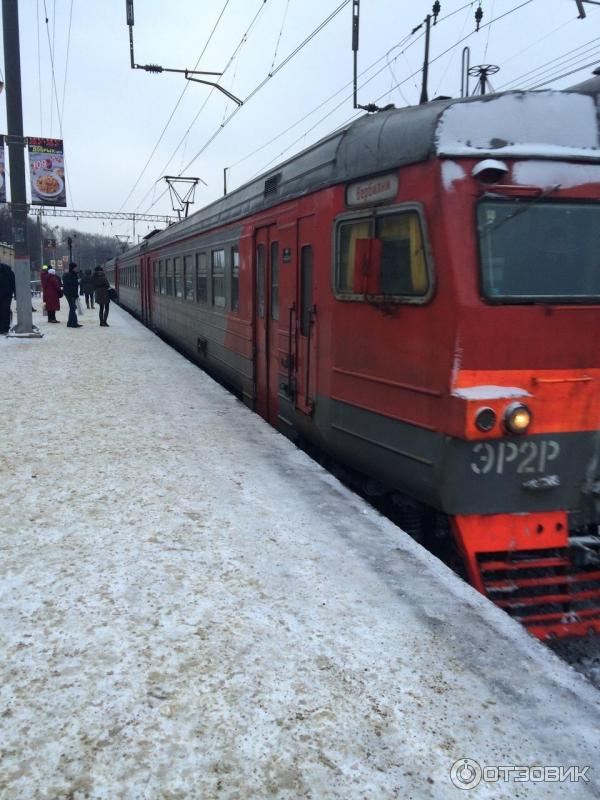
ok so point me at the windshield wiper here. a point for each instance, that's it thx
(521, 209)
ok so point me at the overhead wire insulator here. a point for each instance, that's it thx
(436, 10)
(478, 17)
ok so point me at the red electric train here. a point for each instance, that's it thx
(418, 296)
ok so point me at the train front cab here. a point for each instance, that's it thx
(525, 501)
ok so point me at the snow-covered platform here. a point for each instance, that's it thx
(191, 608)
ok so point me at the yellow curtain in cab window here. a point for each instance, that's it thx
(406, 226)
(350, 235)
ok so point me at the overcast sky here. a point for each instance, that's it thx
(113, 116)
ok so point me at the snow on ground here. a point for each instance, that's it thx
(191, 608)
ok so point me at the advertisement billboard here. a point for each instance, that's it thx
(47, 170)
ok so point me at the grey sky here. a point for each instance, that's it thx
(113, 116)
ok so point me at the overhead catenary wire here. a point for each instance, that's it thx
(236, 51)
(39, 57)
(453, 53)
(176, 106)
(589, 65)
(510, 11)
(558, 69)
(460, 41)
(385, 94)
(53, 72)
(541, 70)
(328, 99)
(54, 94)
(285, 13)
(385, 57)
(272, 72)
(52, 50)
(487, 43)
(261, 85)
(62, 108)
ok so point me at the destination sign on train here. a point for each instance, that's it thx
(373, 191)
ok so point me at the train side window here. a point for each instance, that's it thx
(306, 278)
(178, 274)
(392, 244)
(348, 235)
(188, 278)
(155, 277)
(235, 279)
(201, 278)
(260, 280)
(218, 278)
(161, 277)
(168, 276)
(275, 280)
(403, 268)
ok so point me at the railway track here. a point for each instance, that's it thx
(582, 654)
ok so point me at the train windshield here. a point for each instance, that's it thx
(539, 251)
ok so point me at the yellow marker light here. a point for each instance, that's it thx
(517, 418)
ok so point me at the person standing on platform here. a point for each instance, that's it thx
(7, 291)
(43, 280)
(71, 290)
(53, 295)
(87, 286)
(101, 287)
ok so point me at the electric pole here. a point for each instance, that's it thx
(16, 160)
(424, 96)
(436, 10)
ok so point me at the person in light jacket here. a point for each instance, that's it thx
(101, 287)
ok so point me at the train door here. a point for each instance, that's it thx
(146, 290)
(305, 362)
(266, 322)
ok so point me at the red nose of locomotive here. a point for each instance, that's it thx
(529, 470)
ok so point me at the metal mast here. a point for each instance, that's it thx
(16, 160)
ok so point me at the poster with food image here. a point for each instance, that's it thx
(47, 170)
(2, 172)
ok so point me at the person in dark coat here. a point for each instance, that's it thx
(101, 287)
(87, 288)
(7, 291)
(53, 295)
(71, 291)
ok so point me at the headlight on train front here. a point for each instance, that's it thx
(485, 419)
(517, 418)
